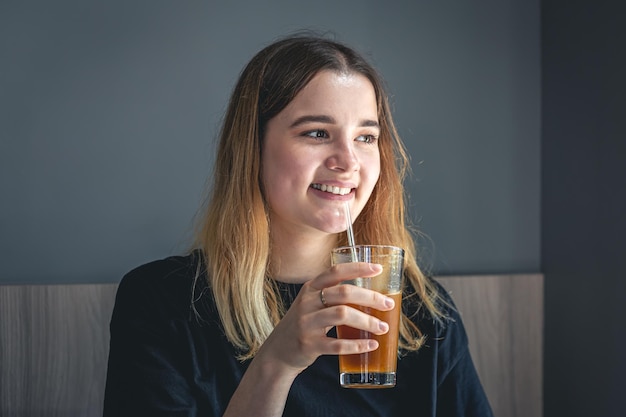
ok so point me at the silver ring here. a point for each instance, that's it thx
(322, 298)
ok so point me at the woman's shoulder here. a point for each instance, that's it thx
(450, 329)
(165, 285)
(439, 297)
(444, 326)
(444, 299)
(166, 267)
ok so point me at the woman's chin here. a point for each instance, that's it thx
(333, 228)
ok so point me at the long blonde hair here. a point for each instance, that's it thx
(234, 234)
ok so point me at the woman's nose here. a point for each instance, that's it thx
(343, 157)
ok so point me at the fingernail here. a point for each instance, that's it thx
(376, 268)
(383, 327)
(372, 344)
(389, 303)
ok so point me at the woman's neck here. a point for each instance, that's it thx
(302, 258)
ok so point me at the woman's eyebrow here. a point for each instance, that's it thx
(369, 123)
(328, 119)
(312, 118)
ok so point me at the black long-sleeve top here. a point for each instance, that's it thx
(164, 360)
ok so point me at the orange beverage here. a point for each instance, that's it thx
(384, 358)
(376, 369)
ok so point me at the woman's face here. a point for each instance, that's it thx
(320, 152)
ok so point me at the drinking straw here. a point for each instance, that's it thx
(349, 225)
(350, 232)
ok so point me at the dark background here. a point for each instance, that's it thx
(513, 112)
(583, 207)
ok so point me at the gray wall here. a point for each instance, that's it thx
(109, 111)
(584, 207)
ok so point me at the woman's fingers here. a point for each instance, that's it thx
(350, 316)
(351, 294)
(322, 344)
(350, 346)
(324, 290)
(344, 272)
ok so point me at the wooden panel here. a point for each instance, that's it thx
(53, 349)
(54, 343)
(503, 316)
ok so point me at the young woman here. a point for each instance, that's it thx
(243, 325)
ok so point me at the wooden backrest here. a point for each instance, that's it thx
(54, 344)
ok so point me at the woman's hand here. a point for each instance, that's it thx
(301, 336)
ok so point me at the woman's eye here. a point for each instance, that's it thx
(317, 134)
(367, 138)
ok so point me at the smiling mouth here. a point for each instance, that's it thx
(332, 189)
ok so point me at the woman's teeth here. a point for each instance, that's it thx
(331, 189)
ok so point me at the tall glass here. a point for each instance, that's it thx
(376, 369)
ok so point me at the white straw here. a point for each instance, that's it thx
(349, 225)
(350, 232)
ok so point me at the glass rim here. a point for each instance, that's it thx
(344, 248)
